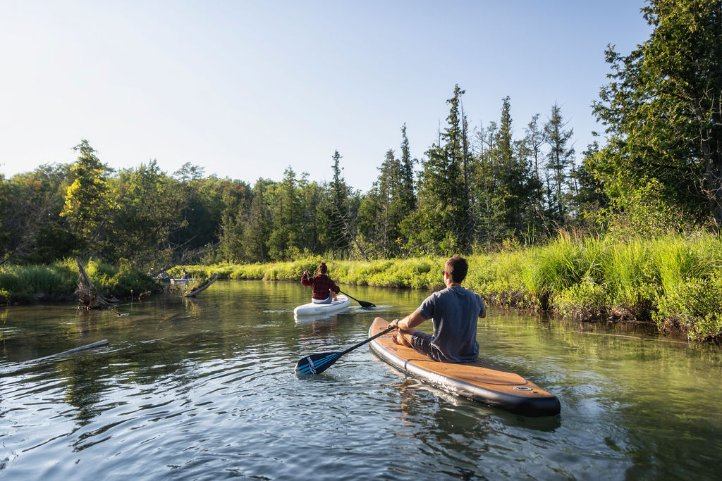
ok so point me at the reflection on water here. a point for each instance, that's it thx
(204, 389)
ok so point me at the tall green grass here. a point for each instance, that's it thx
(675, 282)
(58, 281)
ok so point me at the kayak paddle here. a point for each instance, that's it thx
(364, 304)
(317, 363)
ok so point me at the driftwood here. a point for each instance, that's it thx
(85, 347)
(87, 293)
(205, 285)
(92, 345)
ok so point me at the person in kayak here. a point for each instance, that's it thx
(324, 289)
(454, 311)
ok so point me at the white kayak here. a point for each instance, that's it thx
(311, 309)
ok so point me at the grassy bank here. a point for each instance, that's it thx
(57, 282)
(674, 282)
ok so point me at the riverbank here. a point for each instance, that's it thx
(57, 282)
(673, 282)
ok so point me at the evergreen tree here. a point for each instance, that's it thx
(442, 222)
(311, 196)
(589, 200)
(340, 229)
(258, 227)
(237, 198)
(384, 208)
(489, 216)
(511, 196)
(560, 160)
(407, 193)
(287, 212)
(87, 199)
(530, 148)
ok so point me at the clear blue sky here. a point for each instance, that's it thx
(247, 88)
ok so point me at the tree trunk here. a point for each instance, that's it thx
(87, 294)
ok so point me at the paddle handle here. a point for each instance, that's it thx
(385, 331)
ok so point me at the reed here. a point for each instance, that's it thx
(674, 281)
(58, 281)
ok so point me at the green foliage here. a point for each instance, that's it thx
(58, 281)
(585, 301)
(87, 198)
(643, 213)
(443, 221)
(127, 280)
(31, 230)
(37, 283)
(149, 204)
(560, 160)
(661, 110)
(695, 307)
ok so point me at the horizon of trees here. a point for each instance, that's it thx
(476, 188)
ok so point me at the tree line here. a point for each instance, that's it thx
(471, 190)
(657, 167)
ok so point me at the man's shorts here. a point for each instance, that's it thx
(421, 342)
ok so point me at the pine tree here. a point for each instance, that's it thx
(529, 154)
(510, 196)
(258, 227)
(287, 212)
(407, 186)
(341, 224)
(443, 222)
(560, 160)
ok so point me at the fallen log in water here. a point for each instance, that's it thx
(205, 285)
(92, 345)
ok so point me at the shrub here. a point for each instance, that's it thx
(695, 307)
(585, 301)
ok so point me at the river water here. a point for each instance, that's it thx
(206, 390)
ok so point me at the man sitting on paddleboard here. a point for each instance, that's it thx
(454, 311)
(324, 289)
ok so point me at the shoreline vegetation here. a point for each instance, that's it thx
(674, 282)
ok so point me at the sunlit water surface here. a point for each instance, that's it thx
(206, 390)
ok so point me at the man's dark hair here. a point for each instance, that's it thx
(457, 267)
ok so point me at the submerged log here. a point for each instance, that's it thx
(92, 345)
(88, 295)
(86, 347)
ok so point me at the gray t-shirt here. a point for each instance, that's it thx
(455, 311)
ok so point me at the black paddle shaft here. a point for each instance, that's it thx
(385, 331)
(317, 363)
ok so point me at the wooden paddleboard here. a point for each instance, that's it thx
(477, 381)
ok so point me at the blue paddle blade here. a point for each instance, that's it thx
(316, 363)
